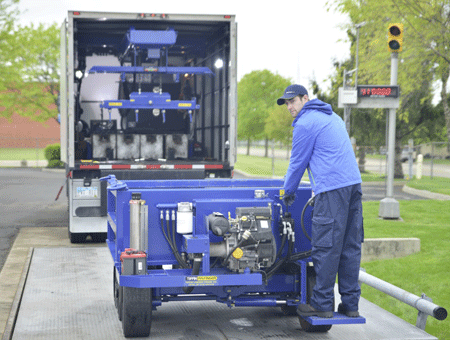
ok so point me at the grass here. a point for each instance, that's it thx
(440, 185)
(262, 166)
(425, 272)
(17, 154)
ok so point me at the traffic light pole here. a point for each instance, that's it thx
(389, 206)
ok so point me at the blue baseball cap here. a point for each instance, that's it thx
(292, 91)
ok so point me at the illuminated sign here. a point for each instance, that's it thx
(376, 91)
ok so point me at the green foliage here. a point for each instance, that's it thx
(278, 125)
(55, 163)
(257, 94)
(52, 152)
(30, 81)
(8, 14)
(424, 58)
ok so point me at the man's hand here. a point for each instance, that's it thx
(288, 200)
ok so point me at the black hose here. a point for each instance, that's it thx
(302, 222)
(195, 271)
(232, 250)
(172, 245)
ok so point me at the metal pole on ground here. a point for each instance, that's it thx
(389, 206)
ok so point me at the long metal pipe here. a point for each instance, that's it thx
(415, 301)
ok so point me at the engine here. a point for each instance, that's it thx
(248, 239)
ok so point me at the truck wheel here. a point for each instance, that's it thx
(99, 237)
(289, 310)
(310, 283)
(137, 312)
(77, 237)
(118, 295)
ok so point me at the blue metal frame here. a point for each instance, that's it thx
(220, 284)
(207, 196)
(177, 70)
(150, 100)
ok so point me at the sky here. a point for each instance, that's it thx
(295, 39)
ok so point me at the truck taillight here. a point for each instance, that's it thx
(76, 13)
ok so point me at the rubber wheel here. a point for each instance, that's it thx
(306, 326)
(118, 294)
(99, 237)
(137, 312)
(289, 310)
(77, 237)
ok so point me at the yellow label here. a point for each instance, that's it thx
(281, 192)
(206, 278)
(168, 100)
(184, 105)
(115, 104)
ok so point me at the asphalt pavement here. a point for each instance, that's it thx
(27, 199)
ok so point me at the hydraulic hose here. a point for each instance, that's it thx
(302, 222)
(172, 244)
(195, 271)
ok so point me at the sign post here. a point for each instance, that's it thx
(389, 206)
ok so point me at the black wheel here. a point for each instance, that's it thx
(310, 283)
(289, 310)
(118, 294)
(307, 327)
(137, 312)
(77, 237)
(99, 237)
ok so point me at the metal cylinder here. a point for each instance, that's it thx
(415, 301)
(218, 249)
(135, 224)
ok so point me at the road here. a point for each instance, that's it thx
(27, 199)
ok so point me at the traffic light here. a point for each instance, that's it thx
(395, 37)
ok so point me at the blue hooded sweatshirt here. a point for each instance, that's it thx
(321, 142)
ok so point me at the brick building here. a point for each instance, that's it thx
(22, 132)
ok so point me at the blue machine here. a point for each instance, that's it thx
(227, 240)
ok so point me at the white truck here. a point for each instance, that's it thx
(143, 96)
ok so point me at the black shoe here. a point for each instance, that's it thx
(308, 310)
(351, 314)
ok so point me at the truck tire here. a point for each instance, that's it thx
(99, 237)
(77, 237)
(306, 326)
(118, 294)
(137, 312)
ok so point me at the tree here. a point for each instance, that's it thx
(416, 66)
(31, 83)
(257, 93)
(8, 13)
(278, 125)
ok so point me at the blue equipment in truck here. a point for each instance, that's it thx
(227, 240)
(156, 43)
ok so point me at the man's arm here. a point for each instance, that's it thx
(302, 147)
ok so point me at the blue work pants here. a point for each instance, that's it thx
(336, 236)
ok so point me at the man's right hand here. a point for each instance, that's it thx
(289, 199)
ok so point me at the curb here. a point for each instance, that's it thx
(426, 194)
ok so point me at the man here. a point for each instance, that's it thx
(321, 144)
